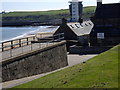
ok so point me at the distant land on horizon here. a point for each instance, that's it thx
(35, 18)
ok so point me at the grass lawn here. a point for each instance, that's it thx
(98, 72)
(44, 16)
(50, 12)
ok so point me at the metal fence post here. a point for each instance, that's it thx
(53, 39)
(27, 40)
(59, 37)
(47, 43)
(10, 52)
(34, 38)
(31, 46)
(39, 45)
(11, 44)
(22, 48)
(2, 47)
(19, 42)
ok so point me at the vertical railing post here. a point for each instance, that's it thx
(31, 46)
(27, 40)
(19, 42)
(22, 49)
(33, 38)
(40, 35)
(39, 45)
(10, 52)
(11, 44)
(2, 47)
(63, 36)
(59, 37)
(53, 39)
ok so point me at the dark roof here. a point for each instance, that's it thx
(108, 11)
(81, 29)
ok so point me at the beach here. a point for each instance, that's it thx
(25, 38)
(12, 33)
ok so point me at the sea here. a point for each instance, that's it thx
(11, 33)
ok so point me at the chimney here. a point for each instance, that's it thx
(99, 3)
(64, 21)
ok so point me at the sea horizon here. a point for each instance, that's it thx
(12, 33)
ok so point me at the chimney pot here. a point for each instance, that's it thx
(99, 3)
(99, 0)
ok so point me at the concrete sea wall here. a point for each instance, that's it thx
(37, 62)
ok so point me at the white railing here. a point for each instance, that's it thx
(9, 51)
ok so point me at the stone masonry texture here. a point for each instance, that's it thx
(41, 62)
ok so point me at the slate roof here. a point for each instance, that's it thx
(81, 29)
(108, 11)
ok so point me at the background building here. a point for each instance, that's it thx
(75, 10)
(74, 31)
(106, 21)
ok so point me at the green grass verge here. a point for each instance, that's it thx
(98, 72)
(42, 16)
(35, 13)
(50, 12)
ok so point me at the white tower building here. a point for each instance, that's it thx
(75, 10)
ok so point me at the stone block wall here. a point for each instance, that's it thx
(41, 61)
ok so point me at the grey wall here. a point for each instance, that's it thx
(41, 61)
(83, 40)
(88, 49)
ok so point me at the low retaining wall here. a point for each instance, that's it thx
(88, 50)
(37, 62)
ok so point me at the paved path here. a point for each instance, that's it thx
(73, 59)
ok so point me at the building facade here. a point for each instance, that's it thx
(106, 30)
(75, 10)
(74, 31)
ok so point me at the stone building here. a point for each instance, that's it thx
(106, 30)
(75, 31)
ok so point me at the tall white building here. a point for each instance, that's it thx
(75, 10)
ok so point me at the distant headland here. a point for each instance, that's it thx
(38, 18)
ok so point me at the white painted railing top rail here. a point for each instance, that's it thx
(25, 46)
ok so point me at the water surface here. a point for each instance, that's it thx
(10, 33)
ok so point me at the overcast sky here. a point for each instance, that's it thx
(42, 5)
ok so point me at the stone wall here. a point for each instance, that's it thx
(41, 61)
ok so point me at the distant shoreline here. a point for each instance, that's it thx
(24, 32)
(27, 24)
(41, 18)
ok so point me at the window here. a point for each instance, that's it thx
(74, 4)
(81, 25)
(73, 11)
(90, 23)
(77, 26)
(86, 24)
(71, 26)
(100, 35)
(73, 7)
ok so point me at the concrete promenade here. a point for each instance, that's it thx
(73, 59)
